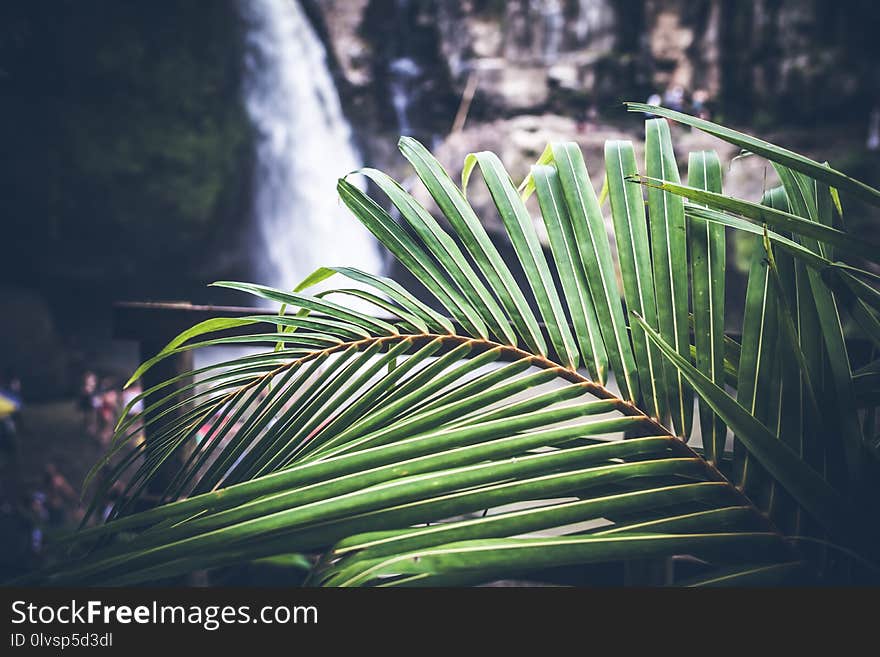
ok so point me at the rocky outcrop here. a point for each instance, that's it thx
(352, 51)
(557, 69)
(791, 58)
(682, 42)
(522, 54)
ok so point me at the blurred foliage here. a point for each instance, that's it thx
(123, 134)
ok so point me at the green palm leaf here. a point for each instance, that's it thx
(522, 233)
(708, 258)
(455, 441)
(572, 274)
(669, 255)
(634, 255)
(595, 252)
(772, 152)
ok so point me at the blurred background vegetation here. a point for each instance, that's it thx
(124, 135)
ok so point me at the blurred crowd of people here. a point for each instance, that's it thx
(28, 511)
(34, 504)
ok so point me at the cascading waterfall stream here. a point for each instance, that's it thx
(594, 18)
(303, 147)
(404, 76)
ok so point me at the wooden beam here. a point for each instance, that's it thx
(147, 320)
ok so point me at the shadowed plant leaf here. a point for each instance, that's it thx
(513, 419)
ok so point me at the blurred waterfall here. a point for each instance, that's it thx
(303, 146)
(553, 22)
(595, 26)
(404, 76)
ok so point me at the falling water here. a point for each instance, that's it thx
(594, 24)
(553, 21)
(404, 74)
(303, 147)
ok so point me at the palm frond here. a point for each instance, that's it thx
(454, 439)
(708, 260)
(669, 256)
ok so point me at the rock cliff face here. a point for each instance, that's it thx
(792, 58)
(557, 69)
(469, 75)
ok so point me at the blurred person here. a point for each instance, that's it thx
(108, 410)
(130, 394)
(10, 474)
(15, 389)
(653, 99)
(38, 519)
(592, 117)
(86, 402)
(10, 418)
(873, 142)
(674, 98)
(60, 497)
(8, 439)
(700, 105)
